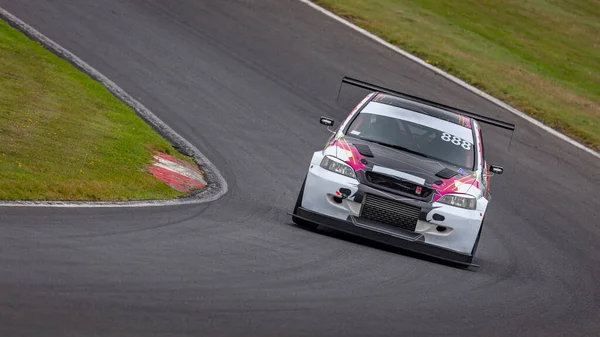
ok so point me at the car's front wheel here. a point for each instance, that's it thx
(301, 222)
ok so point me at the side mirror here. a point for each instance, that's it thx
(326, 121)
(495, 169)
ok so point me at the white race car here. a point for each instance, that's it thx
(404, 171)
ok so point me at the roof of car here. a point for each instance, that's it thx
(446, 115)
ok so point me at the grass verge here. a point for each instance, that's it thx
(64, 136)
(541, 56)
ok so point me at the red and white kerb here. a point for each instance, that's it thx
(177, 173)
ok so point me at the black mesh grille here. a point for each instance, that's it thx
(394, 184)
(390, 212)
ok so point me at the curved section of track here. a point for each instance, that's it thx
(245, 82)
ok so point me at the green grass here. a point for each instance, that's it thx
(541, 56)
(64, 136)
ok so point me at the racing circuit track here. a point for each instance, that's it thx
(245, 81)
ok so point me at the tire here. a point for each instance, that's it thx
(301, 222)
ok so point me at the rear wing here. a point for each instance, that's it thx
(477, 117)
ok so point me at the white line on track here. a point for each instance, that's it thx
(453, 79)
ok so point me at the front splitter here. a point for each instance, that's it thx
(385, 235)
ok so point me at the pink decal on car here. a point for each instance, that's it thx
(454, 184)
(352, 157)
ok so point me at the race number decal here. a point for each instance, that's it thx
(456, 141)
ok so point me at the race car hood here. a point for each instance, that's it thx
(442, 178)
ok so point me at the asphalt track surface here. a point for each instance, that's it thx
(245, 81)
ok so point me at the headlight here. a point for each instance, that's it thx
(335, 165)
(459, 200)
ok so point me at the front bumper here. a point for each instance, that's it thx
(385, 234)
(455, 242)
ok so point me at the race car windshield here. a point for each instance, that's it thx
(416, 133)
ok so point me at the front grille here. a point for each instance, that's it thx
(390, 212)
(398, 185)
